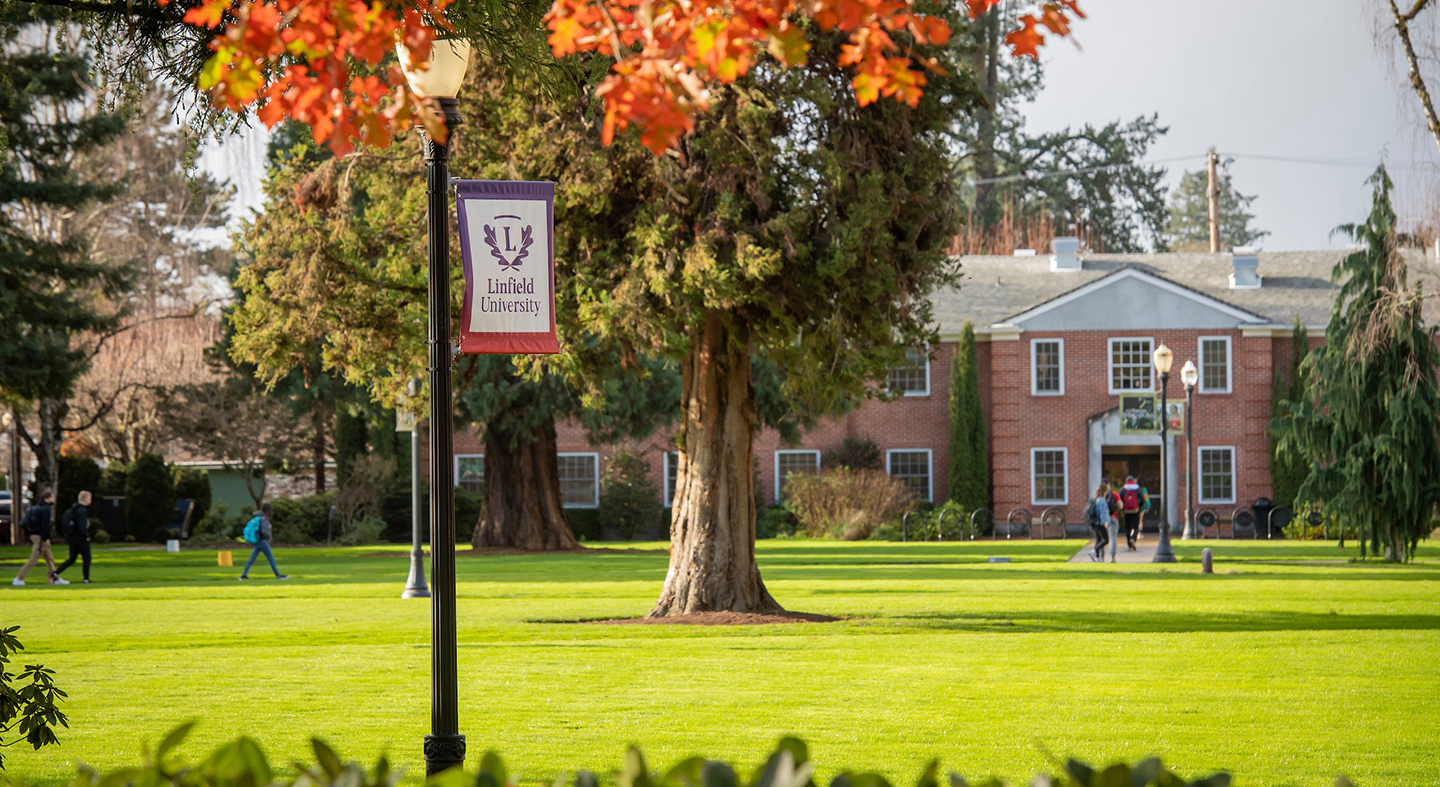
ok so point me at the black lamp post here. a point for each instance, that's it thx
(444, 746)
(1163, 359)
(1189, 375)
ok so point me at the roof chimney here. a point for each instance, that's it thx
(1244, 262)
(1067, 254)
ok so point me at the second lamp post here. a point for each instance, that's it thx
(1163, 359)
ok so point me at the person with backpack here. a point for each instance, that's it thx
(1097, 514)
(37, 524)
(1133, 501)
(257, 532)
(1114, 504)
(75, 526)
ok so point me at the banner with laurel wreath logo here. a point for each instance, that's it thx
(507, 240)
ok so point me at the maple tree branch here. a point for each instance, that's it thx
(108, 335)
(124, 7)
(107, 405)
(1402, 30)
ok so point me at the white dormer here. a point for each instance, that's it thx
(1245, 263)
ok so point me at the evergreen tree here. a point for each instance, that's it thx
(969, 455)
(149, 497)
(51, 289)
(1187, 223)
(1372, 440)
(1287, 468)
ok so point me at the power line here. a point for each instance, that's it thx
(1087, 170)
(1330, 162)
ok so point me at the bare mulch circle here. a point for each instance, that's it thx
(722, 619)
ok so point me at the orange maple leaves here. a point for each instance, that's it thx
(321, 51)
(319, 61)
(666, 50)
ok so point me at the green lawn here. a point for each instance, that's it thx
(1282, 667)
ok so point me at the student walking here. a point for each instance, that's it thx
(1114, 504)
(1097, 513)
(75, 526)
(1136, 500)
(37, 524)
(257, 531)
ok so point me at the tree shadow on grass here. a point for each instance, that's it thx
(1166, 622)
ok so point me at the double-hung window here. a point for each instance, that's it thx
(1048, 476)
(579, 480)
(806, 461)
(1215, 365)
(912, 467)
(1047, 367)
(470, 472)
(913, 377)
(1131, 367)
(1217, 474)
(671, 461)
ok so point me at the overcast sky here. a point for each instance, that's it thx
(1281, 78)
(1254, 78)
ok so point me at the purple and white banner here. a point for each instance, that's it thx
(507, 239)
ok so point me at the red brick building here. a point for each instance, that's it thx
(1061, 340)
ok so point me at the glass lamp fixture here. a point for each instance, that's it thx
(449, 58)
(1189, 374)
(1163, 359)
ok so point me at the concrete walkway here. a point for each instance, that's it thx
(1144, 550)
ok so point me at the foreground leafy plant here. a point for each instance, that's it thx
(28, 701)
(242, 763)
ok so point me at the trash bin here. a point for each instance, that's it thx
(1262, 510)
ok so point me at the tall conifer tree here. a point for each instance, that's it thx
(1288, 468)
(969, 459)
(1373, 437)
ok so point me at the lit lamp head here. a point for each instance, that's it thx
(449, 58)
(1189, 374)
(1163, 359)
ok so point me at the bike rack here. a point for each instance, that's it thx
(975, 521)
(940, 523)
(1017, 516)
(1052, 516)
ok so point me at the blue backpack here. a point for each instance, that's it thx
(252, 531)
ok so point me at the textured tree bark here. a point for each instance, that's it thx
(317, 447)
(522, 508)
(712, 530)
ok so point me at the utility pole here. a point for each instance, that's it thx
(1212, 193)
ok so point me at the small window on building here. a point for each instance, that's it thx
(913, 378)
(1217, 475)
(672, 472)
(470, 472)
(1215, 364)
(913, 467)
(1047, 367)
(1047, 476)
(796, 461)
(1131, 367)
(579, 480)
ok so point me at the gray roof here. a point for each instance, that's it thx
(994, 288)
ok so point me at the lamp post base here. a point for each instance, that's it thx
(415, 585)
(1163, 552)
(443, 752)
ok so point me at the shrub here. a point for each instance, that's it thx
(149, 498)
(584, 523)
(629, 501)
(362, 494)
(100, 537)
(845, 503)
(76, 473)
(192, 483)
(242, 762)
(304, 518)
(365, 530)
(776, 520)
(112, 480)
(856, 453)
(30, 699)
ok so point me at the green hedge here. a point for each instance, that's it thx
(243, 762)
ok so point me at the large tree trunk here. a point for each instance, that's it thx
(317, 446)
(522, 508)
(47, 452)
(712, 530)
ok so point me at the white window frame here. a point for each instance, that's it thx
(1200, 479)
(1064, 477)
(778, 479)
(456, 477)
(666, 459)
(929, 467)
(925, 354)
(1034, 372)
(1229, 365)
(1110, 364)
(596, 477)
